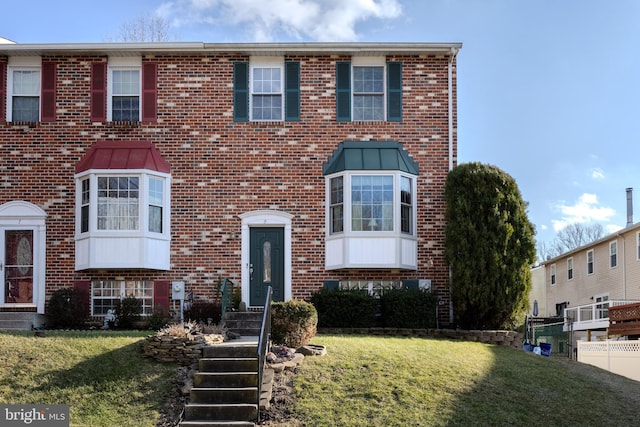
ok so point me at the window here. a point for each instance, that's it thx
(106, 293)
(553, 274)
(123, 215)
(590, 262)
(266, 89)
(368, 89)
(125, 95)
(613, 254)
(368, 93)
(570, 269)
(371, 206)
(336, 206)
(25, 99)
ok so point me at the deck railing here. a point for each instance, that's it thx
(590, 316)
(263, 342)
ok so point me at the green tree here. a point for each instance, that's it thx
(490, 247)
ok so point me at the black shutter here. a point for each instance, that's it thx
(241, 92)
(343, 91)
(394, 91)
(292, 91)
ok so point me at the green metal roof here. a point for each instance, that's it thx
(370, 155)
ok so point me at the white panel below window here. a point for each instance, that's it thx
(371, 252)
(122, 252)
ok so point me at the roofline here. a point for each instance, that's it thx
(361, 48)
(608, 237)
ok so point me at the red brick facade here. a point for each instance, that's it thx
(221, 169)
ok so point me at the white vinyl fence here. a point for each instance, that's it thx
(619, 357)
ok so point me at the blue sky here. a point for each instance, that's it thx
(547, 90)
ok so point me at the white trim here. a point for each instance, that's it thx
(22, 215)
(611, 245)
(265, 218)
(27, 63)
(266, 62)
(123, 64)
(369, 61)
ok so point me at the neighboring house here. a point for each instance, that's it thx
(584, 283)
(128, 169)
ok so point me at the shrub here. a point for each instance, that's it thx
(159, 319)
(127, 311)
(345, 308)
(293, 323)
(409, 308)
(204, 312)
(68, 308)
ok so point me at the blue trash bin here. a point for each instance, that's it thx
(545, 349)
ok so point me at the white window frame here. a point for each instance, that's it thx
(592, 263)
(123, 64)
(638, 246)
(347, 225)
(570, 268)
(613, 254)
(143, 202)
(22, 63)
(256, 62)
(369, 61)
(552, 274)
(122, 289)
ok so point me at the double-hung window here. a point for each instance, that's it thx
(105, 294)
(25, 99)
(266, 89)
(368, 89)
(124, 83)
(570, 269)
(553, 274)
(613, 254)
(371, 211)
(590, 261)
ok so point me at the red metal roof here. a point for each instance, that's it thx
(123, 155)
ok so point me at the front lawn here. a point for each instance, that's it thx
(102, 376)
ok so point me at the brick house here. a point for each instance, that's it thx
(131, 168)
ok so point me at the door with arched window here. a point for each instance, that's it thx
(266, 264)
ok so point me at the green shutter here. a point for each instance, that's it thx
(343, 91)
(394, 91)
(292, 91)
(241, 92)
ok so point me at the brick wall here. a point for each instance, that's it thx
(221, 169)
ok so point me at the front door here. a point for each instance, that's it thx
(16, 266)
(266, 264)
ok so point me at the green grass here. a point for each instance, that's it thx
(373, 381)
(102, 376)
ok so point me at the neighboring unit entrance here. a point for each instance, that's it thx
(266, 263)
(16, 266)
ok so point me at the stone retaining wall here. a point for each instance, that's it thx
(183, 351)
(507, 338)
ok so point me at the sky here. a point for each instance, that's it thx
(548, 90)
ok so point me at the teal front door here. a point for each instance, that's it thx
(266, 264)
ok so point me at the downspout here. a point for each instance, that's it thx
(452, 55)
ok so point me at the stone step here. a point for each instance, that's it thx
(222, 412)
(243, 315)
(225, 379)
(228, 364)
(219, 395)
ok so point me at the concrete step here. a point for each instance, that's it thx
(219, 395)
(222, 412)
(244, 323)
(225, 379)
(228, 364)
(21, 321)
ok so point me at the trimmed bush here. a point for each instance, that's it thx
(408, 308)
(345, 308)
(293, 323)
(68, 308)
(203, 311)
(127, 311)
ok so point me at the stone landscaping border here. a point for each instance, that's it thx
(506, 338)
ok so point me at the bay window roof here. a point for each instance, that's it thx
(123, 155)
(370, 155)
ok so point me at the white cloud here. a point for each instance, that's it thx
(585, 210)
(320, 20)
(597, 173)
